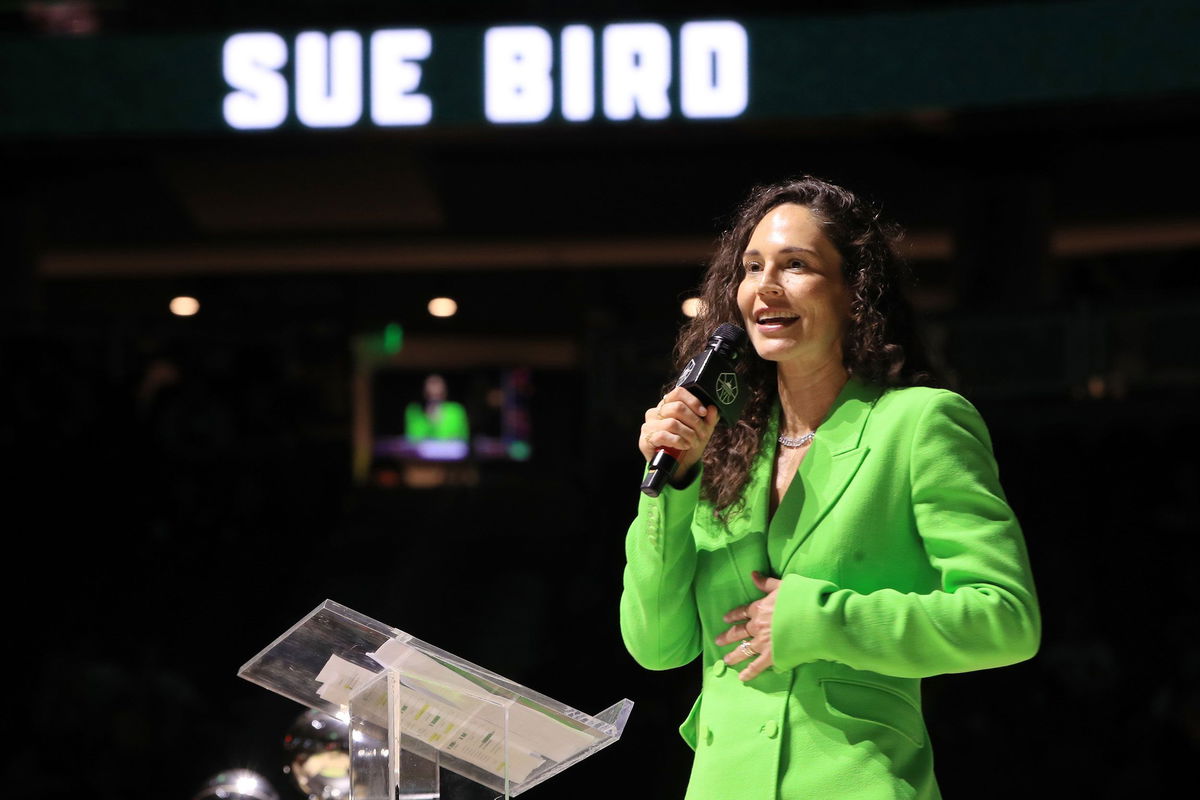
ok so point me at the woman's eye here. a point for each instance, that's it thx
(753, 267)
(797, 265)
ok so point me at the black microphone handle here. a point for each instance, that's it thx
(661, 470)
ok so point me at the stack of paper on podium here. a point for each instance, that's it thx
(413, 709)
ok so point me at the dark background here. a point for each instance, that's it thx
(181, 488)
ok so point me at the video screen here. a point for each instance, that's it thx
(477, 414)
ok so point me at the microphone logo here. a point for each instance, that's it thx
(727, 387)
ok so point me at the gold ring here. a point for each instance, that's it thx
(746, 649)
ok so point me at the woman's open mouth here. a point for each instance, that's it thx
(770, 319)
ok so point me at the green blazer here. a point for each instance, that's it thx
(899, 558)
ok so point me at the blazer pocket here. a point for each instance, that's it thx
(880, 705)
(689, 729)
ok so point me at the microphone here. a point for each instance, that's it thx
(711, 377)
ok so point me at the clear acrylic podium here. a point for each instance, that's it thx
(414, 710)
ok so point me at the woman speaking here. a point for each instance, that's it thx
(847, 537)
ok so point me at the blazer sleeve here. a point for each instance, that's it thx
(984, 613)
(660, 624)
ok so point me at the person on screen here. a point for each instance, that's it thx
(845, 539)
(436, 418)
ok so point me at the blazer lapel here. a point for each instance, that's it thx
(832, 460)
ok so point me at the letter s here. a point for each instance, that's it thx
(251, 64)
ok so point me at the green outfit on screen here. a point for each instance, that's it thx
(449, 423)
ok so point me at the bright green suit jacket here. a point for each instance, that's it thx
(899, 558)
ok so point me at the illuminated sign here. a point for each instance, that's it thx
(641, 69)
(328, 79)
(755, 70)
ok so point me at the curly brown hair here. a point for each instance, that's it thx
(880, 345)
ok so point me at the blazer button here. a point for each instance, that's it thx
(770, 729)
(718, 669)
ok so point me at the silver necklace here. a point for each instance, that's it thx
(803, 440)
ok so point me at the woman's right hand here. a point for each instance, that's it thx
(680, 421)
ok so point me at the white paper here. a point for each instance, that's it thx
(340, 679)
(530, 732)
